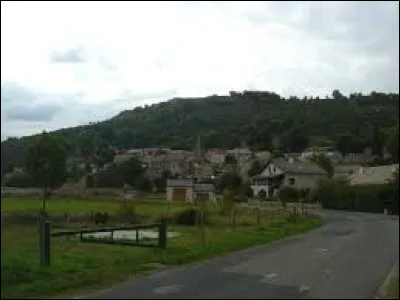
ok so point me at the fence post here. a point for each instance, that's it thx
(162, 236)
(234, 218)
(44, 242)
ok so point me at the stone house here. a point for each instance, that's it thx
(373, 175)
(280, 172)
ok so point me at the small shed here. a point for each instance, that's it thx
(180, 190)
(186, 190)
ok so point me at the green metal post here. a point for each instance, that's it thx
(163, 230)
(44, 242)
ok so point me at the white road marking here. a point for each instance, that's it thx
(304, 288)
(268, 278)
(167, 289)
(321, 250)
(231, 269)
(328, 273)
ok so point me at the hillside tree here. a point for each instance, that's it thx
(46, 163)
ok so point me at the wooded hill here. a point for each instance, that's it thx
(262, 120)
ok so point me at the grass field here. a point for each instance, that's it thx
(77, 268)
(73, 205)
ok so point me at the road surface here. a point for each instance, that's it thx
(349, 257)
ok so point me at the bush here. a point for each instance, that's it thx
(227, 202)
(109, 178)
(190, 217)
(337, 194)
(289, 194)
(89, 180)
(101, 218)
(144, 184)
(247, 190)
(262, 195)
(21, 180)
(128, 214)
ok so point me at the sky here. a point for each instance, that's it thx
(70, 63)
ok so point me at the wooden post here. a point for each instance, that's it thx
(203, 227)
(259, 216)
(234, 218)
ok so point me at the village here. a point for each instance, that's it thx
(192, 174)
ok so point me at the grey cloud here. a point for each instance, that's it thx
(22, 104)
(73, 55)
(37, 113)
(26, 112)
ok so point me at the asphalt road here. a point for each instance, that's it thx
(349, 257)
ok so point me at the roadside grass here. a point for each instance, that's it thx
(80, 267)
(393, 288)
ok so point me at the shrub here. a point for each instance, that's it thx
(190, 217)
(262, 195)
(128, 214)
(21, 180)
(289, 194)
(227, 202)
(108, 178)
(247, 190)
(101, 218)
(337, 194)
(89, 180)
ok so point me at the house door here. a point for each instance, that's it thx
(179, 194)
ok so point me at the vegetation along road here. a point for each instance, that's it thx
(349, 257)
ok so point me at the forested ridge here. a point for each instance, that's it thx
(262, 120)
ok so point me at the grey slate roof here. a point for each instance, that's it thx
(298, 167)
(179, 183)
(346, 169)
(198, 187)
(203, 187)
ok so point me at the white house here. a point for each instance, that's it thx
(281, 172)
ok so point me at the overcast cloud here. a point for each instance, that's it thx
(69, 63)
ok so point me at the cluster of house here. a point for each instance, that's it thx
(295, 169)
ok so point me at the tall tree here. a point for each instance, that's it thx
(392, 142)
(229, 180)
(131, 171)
(46, 163)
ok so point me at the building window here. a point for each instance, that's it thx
(291, 181)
